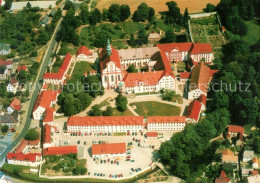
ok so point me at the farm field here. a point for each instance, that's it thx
(156, 109)
(82, 67)
(159, 5)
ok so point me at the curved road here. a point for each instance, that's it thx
(36, 90)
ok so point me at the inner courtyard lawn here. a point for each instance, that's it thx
(156, 109)
(82, 67)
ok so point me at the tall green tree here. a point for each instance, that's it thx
(169, 37)
(124, 12)
(186, 18)
(114, 13)
(121, 103)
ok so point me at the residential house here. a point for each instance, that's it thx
(201, 51)
(229, 157)
(223, 178)
(184, 76)
(154, 37)
(21, 68)
(4, 48)
(45, 100)
(45, 20)
(31, 159)
(253, 178)
(235, 131)
(12, 86)
(15, 105)
(2, 3)
(25, 145)
(199, 81)
(108, 150)
(84, 53)
(5, 69)
(248, 155)
(193, 112)
(52, 13)
(60, 150)
(9, 119)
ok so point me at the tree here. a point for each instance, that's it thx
(131, 41)
(220, 100)
(151, 14)
(114, 13)
(121, 103)
(43, 38)
(142, 37)
(142, 13)
(8, 4)
(5, 128)
(17, 171)
(173, 15)
(68, 5)
(28, 5)
(124, 12)
(95, 111)
(170, 37)
(131, 69)
(32, 134)
(108, 111)
(209, 8)
(95, 17)
(186, 18)
(84, 14)
(93, 86)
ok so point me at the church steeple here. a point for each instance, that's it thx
(109, 49)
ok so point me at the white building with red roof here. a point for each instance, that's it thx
(236, 131)
(59, 77)
(21, 68)
(108, 150)
(31, 159)
(166, 123)
(151, 135)
(60, 150)
(184, 76)
(46, 136)
(15, 105)
(45, 100)
(193, 112)
(27, 144)
(105, 124)
(84, 53)
(178, 52)
(203, 101)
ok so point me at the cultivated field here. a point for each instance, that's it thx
(159, 5)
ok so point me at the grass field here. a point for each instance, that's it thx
(156, 109)
(253, 33)
(131, 27)
(82, 67)
(118, 113)
(159, 5)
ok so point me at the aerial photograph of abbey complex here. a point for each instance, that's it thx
(132, 91)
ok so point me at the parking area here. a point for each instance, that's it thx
(139, 154)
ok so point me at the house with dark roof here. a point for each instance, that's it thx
(4, 49)
(52, 13)
(9, 119)
(199, 81)
(45, 20)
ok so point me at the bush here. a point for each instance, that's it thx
(32, 134)
(5, 128)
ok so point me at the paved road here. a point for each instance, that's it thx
(34, 95)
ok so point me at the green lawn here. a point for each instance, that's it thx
(86, 37)
(156, 109)
(118, 113)
(253, 33)
(118, 44)
(161, 25)
(200, 39)
(131, 27)
(82, 67)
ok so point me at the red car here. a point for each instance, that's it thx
(110, 175)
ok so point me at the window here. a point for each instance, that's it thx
(119, 77)
(105, 79)
(112, 78)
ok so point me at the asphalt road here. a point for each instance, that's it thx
(35, 93)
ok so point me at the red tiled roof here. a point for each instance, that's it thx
(63, 68)
(114, 148)
(60, 150)
(104, 120)
(13, 81)
(84, 50)
(254, 172)
(47, 134)
(104, 58)
(235, 129)
(33, 142)
(227, 152)
(166, 119)
(222, 178)
(21, 146)
(203, 99)
(45, 98)
(193, 111)
(184, 75)
(16, 104)
(212, 72)
(151, 134)
(201, 48)
(147, 78)
(166, 64)
(6, 62)
(200, 77)
(23, 67)
(49, 115)
(23, 157)
(168, 47)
